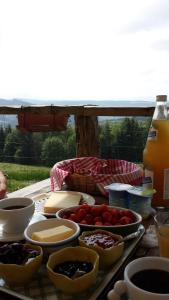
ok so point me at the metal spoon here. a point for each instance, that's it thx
(128, 237)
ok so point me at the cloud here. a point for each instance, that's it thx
(152, 15)
(162, 44)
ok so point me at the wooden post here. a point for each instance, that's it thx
(87, 136)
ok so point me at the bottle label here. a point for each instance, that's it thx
(152, 134)
(148, 179)
(166, 184)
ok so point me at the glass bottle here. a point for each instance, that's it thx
(156, 154)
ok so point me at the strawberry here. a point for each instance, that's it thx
(89, 219)
(125, 220)
(106, 215)
(83, 222)
(98, 223)
(81, 213)
(95, 210)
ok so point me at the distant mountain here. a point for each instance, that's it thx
(113, 103)
(14, 102)
(5, 120)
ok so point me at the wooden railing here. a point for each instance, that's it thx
(86, 121)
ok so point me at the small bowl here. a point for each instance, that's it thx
(107, 256)
(69, 285)
(51, 223)
(116, 229)
(19, 275)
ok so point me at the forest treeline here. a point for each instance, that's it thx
(118, 140)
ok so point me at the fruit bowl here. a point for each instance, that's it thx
(118, 220)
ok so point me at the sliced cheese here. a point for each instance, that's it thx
(53, 234)
(61, 199)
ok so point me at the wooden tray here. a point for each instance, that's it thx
(41, 287)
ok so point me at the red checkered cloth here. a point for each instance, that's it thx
(103, 172)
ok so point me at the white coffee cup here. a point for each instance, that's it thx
(16, 213)
(133, 291)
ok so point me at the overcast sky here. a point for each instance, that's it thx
(79, 50)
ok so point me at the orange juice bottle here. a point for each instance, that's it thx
(156, 154)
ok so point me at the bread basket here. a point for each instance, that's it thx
(82, 183)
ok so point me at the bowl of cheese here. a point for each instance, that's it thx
(52, 232)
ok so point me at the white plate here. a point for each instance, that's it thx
(41, 198)
(9, 237)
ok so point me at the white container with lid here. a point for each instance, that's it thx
(118, 194)
(140, 200)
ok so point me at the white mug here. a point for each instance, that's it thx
(16, 213)
(131, 289)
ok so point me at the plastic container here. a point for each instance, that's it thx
(118, 195)
(139, 202)
(156, 154)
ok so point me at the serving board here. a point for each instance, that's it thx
(42, 288)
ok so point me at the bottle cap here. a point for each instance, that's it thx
(161, 98)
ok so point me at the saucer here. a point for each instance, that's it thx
(12, 237)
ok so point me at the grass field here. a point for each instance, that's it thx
(20, 176)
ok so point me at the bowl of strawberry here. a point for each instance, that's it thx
(115, 219)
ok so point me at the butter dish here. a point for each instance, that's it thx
(52, 232)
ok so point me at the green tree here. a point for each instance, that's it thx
(7, 129)
(37, 142)
(18, 157)
(106, 140)
(70, 147)
(53, 150)
(18, 147)
(10, 146)
(2, 141)
(130, 140)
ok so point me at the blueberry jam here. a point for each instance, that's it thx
(73, 268)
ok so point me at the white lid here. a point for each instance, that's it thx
(161, 98)
(137, 191)
(119, 187)
(142, 191)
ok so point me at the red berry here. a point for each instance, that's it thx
(107, 224)
(99, 223)
(86, 207)
(83, 222)
(89, 219)
(124, 220)
(81, 213)
(95, 210)
(114, 221)
(103, 207)
(129, 214)
(73, 217)
(115, 213)
(107, 216)
(97, 219)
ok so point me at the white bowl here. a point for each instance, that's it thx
(51, 223)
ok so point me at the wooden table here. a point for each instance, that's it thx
(139, 251)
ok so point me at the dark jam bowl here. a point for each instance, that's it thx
(117, 229)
